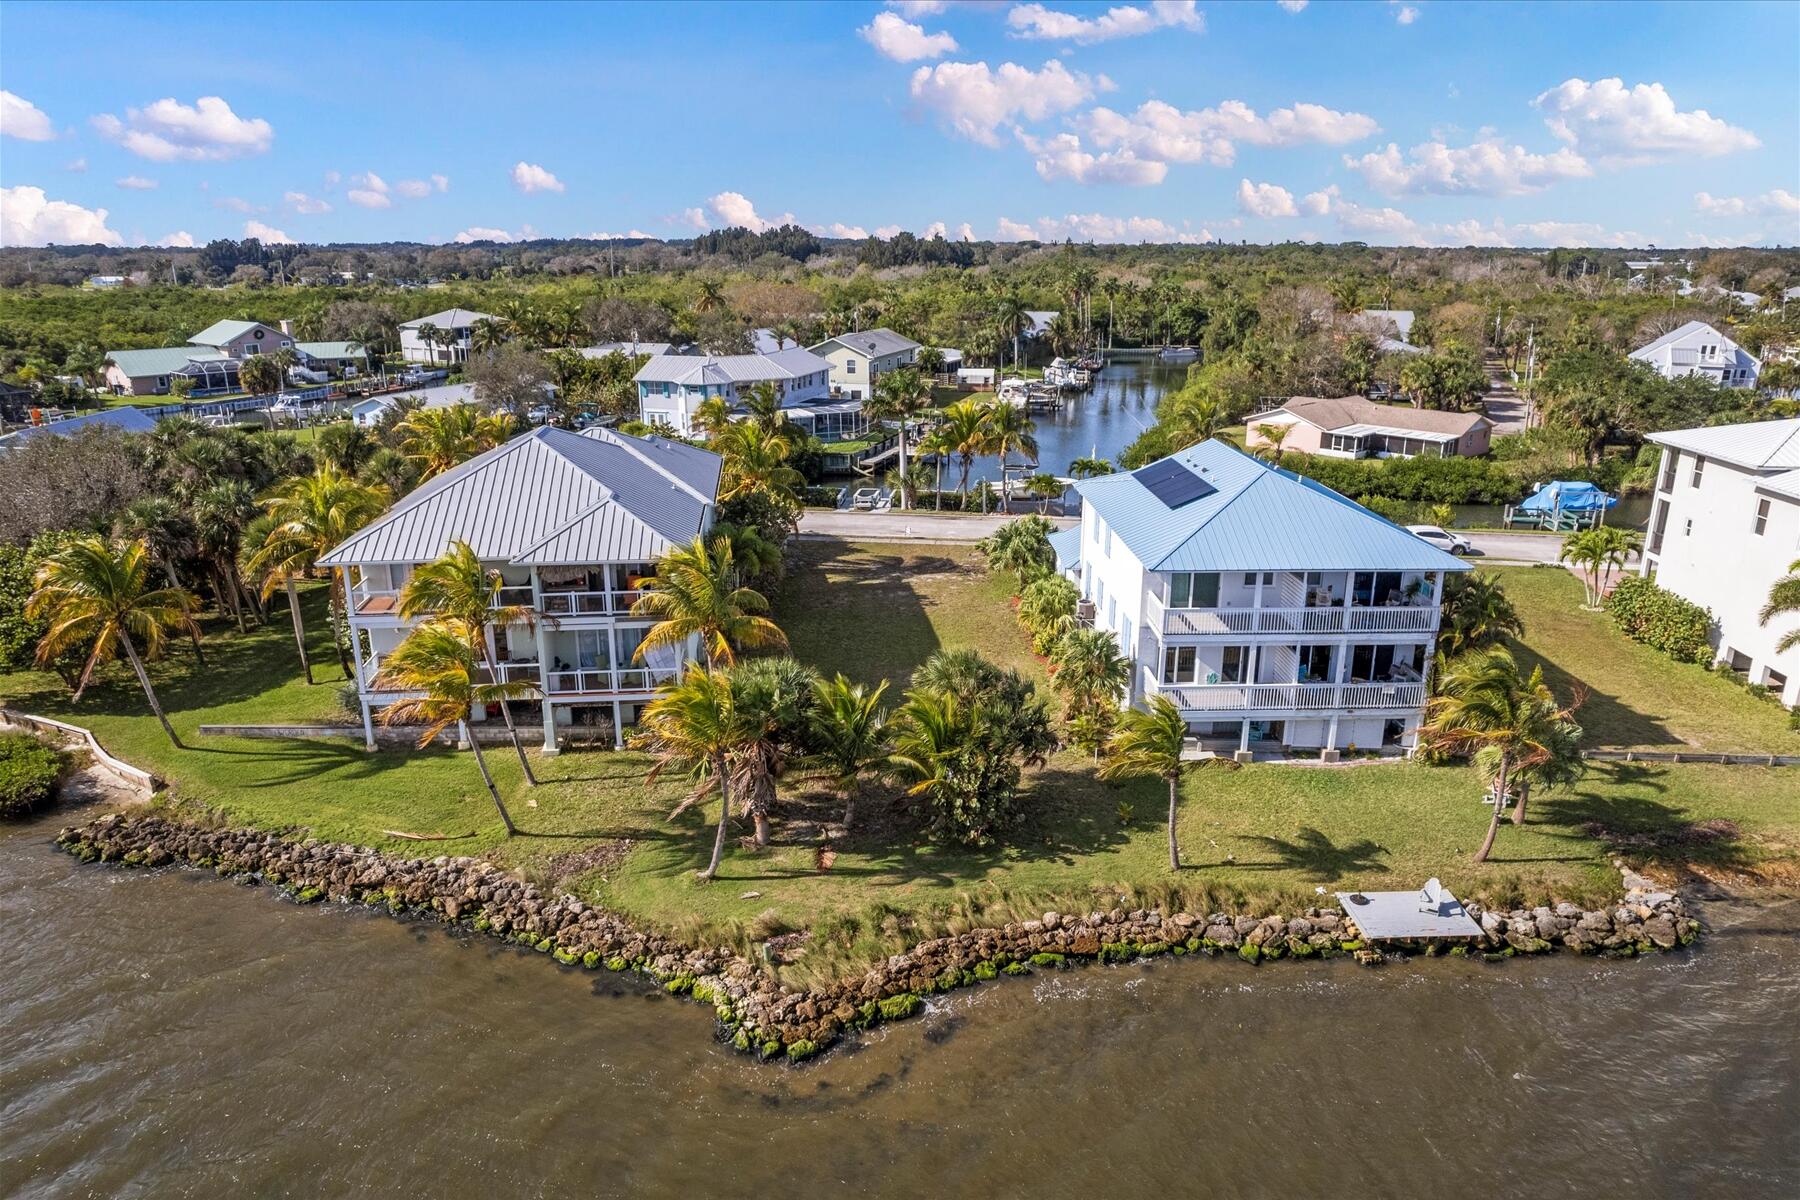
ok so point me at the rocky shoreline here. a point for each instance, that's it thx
(760, 1016)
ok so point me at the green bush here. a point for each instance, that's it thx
(1427, 480)
(28, 773)
(1660, 619)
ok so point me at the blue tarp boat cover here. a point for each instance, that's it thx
(1568, 496)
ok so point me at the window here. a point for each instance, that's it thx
(1232, 664)
(849, 366)
(1657, 526)
(1688, 529)
(1762, 517)
(1249, 578)
(1670, 459)
(1179, 664)
(1107, 548)
(1315, 664)
(1194, 589)
(1699, 466)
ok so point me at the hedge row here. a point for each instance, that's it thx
(1660, 619)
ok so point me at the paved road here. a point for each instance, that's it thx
(1503, 404)
(889, 526)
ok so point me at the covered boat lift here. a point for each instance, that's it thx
(1563, 505)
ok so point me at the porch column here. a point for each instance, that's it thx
(1330, 753)
(1243, 751)
(542, 631)
(618, 725)
(368, 727)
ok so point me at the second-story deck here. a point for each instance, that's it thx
(1392, 618)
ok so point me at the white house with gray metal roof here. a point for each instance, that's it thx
(859, 359)
(1698, 349)
(573, 522)
(671, 387)
(1724, 526)
(1275, 613)
(211, 359)
(452, 330)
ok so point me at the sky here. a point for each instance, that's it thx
(1410, 123)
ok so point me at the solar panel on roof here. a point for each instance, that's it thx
(1173, 484)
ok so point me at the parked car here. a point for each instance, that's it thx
(1443, 539)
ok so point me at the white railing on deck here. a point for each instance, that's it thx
(589, 604)
(627, 679)
(1420, 618)
(1240, 697)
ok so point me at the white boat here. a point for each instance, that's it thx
(1178, 354)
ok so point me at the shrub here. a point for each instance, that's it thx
(821, 496)
(1428, 480)
(28, 773)
(1047, 610)
(1660, 619)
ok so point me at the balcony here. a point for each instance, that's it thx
(1397, 618)
(385, 602)
(569, 682)
(1293, 697)
(589, 604)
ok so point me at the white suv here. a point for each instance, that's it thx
(1443, 539)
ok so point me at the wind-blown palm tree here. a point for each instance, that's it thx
(691, 726)
(900, 396)
(487, 334)
(459, 589)
(1148, 743)
(1010, 430)
(772, 701)
(94, 592)
(710, 298)
(1784, 597)
(965, 433)
(1487, 705)
(221, 513)
(159, 523)
(848, 735)
(441, 438)
(437, 661)
(695, 593)
(307, 517)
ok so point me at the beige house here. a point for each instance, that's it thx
(859, 359)
(1352, 427)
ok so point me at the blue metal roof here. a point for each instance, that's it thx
(124, 418)
(1260, 518)
(1067, 544)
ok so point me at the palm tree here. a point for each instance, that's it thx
(691, 727)
(428, 335)
(772, 703)
(1022, 547)
(712, 417)
(757, 461)
(695, 593)
(1273, 436)
(929, 733)
(848, 735)
(936, 444)
(710, 298)
(1476, 612)
(259, 375)
(438, 661)
(486, 334)
(1784, 597)
(1089, 468)
(1090, 671)
(1486, 703)
(441, 438)
(307, 517)
(1599, 552)
(221, 513)
(900, 396)
(1148, 743)
(1011, 319)
(964, 433)
(459, 590)
(95, 592)
(1010, 430)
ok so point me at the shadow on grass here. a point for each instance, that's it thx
(1607, 720)
(1314, 856)
(1638, 822)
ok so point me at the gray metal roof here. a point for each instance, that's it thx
(550, 496)
(450, 318)
(1758, 445)
(791, 363)
(165, 360)
(876, 343)
(124, 418)
(1067, 544)
(1259, 518)
(221, 332)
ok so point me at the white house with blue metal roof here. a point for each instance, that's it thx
(573, 522)
(1275, 613)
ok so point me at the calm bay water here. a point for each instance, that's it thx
(169, 1034)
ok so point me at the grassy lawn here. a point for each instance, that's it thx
(1258, 838)
(1637, 697)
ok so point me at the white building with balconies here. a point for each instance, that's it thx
(574, 522)
(1696, 348)
(1275, 613)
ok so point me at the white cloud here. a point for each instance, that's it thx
(300, 202)
(529, 177)
(369, 190)
(974, 100)
(181, 239)
(76, 166)
(1319, 203)
(1036, 21)
(169, 131)
(1096, 227)
(964, 232)
(1625, 126)
(1489, 168)
(903, 41)
(838, 229)
(1776, 201)
(235, 204)
(1164, 133)
(441, 182)
(888, 231)
(332, 178)
(1391, 226)
(480, 233)
(136, 183)
(20, 118)
(1293, 6)
(728, 209)
(1265, 200)
(267, 234)
(613, 237)
(29, 218)
(1407, 14)
(1062, 157)
(412, 189)
(919, 8)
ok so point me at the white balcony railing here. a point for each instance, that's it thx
(589, 604)
(375, 602)
(587, 682)
(1410, 618)
(1245, 697)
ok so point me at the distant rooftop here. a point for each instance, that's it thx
(693, 370)
(875, 343)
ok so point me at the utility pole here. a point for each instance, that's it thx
(1530, 374)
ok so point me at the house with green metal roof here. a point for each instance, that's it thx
(1274, 613)
(211, 359)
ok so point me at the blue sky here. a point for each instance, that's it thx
(1666, 124)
